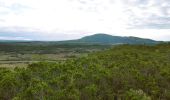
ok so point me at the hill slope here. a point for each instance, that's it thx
(109, 39)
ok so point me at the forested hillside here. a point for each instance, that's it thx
(125, 72)
(101, 38)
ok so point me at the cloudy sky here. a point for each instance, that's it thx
(72, 19)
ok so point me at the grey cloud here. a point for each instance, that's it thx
(143, 13)
(25, 33)
(19, 32)
(149, 18)
(136, 2)
(152, 26)
(4, 12)
(2, 20)
(153, 22)
(166, 10)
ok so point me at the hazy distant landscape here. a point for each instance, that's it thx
(84, 49)
(19, 53)
(96, 67)
(23, 53)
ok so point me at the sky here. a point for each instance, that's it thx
(73, 19)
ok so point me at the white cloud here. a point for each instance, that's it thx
(148, 18)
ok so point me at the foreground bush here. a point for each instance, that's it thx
(123, 73)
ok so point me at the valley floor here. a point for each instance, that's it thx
(19, 54)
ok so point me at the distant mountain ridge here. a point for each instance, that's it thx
(99, 38)
(109, 39)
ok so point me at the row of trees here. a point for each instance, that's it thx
(125, 72)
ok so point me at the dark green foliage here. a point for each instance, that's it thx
(126, 72)
(43, 47)
(109, 39)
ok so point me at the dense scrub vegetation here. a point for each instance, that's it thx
(126, 72)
